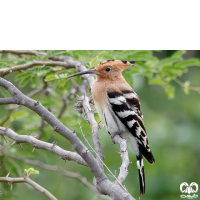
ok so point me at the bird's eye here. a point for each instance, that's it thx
(108, 69)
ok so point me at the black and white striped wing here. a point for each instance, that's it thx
(126, 106)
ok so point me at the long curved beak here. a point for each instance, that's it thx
(91, 71)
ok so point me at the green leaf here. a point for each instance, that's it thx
(30, 171)
(31, 58)
(46, 101)
(24, 81)
(35, 80)
(179, 54)
(19, 115)
(22, 76)
(95, 61)
(4, 65)
(62, 83)
(56, 77)
(141, 65)
(173, 70)
(167, 62)
(188, 63)
(156, 81)
(186, 87)
(169, 89)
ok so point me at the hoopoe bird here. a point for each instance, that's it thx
(118, 106)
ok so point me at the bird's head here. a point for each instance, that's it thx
(110, 69)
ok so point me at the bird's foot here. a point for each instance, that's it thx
(113, 136)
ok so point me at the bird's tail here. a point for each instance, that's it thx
(140, 166)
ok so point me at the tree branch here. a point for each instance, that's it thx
(23, 52)
(124, 156)
(7, 101)
(86, 102)
(5, 71)
(37, 144)
(30, 182)
(77, 176)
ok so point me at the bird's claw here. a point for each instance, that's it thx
(113, 136)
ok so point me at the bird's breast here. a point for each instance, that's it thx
(109, 120)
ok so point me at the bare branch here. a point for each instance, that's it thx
(77, 176)
(38, 187)
(5, 71)
(65, 155)
(125, 159)
(28, 52)
(7, 101)
(95, 129)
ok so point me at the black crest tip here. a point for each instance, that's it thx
(132, 62)
(124, 61)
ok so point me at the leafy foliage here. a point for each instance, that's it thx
(28, 172)
(158, 71)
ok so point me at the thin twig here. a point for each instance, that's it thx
(5, 71)
(193, 88)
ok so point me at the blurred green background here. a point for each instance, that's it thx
(162, 79)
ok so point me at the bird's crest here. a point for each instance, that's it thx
(114, 64)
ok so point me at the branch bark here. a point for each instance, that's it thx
(30, 182)
(7, 101)
(124, 156)
(5, 71)
(37, 144)
(86, 102)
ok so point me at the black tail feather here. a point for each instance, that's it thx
(140, 166)
(147, 154)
